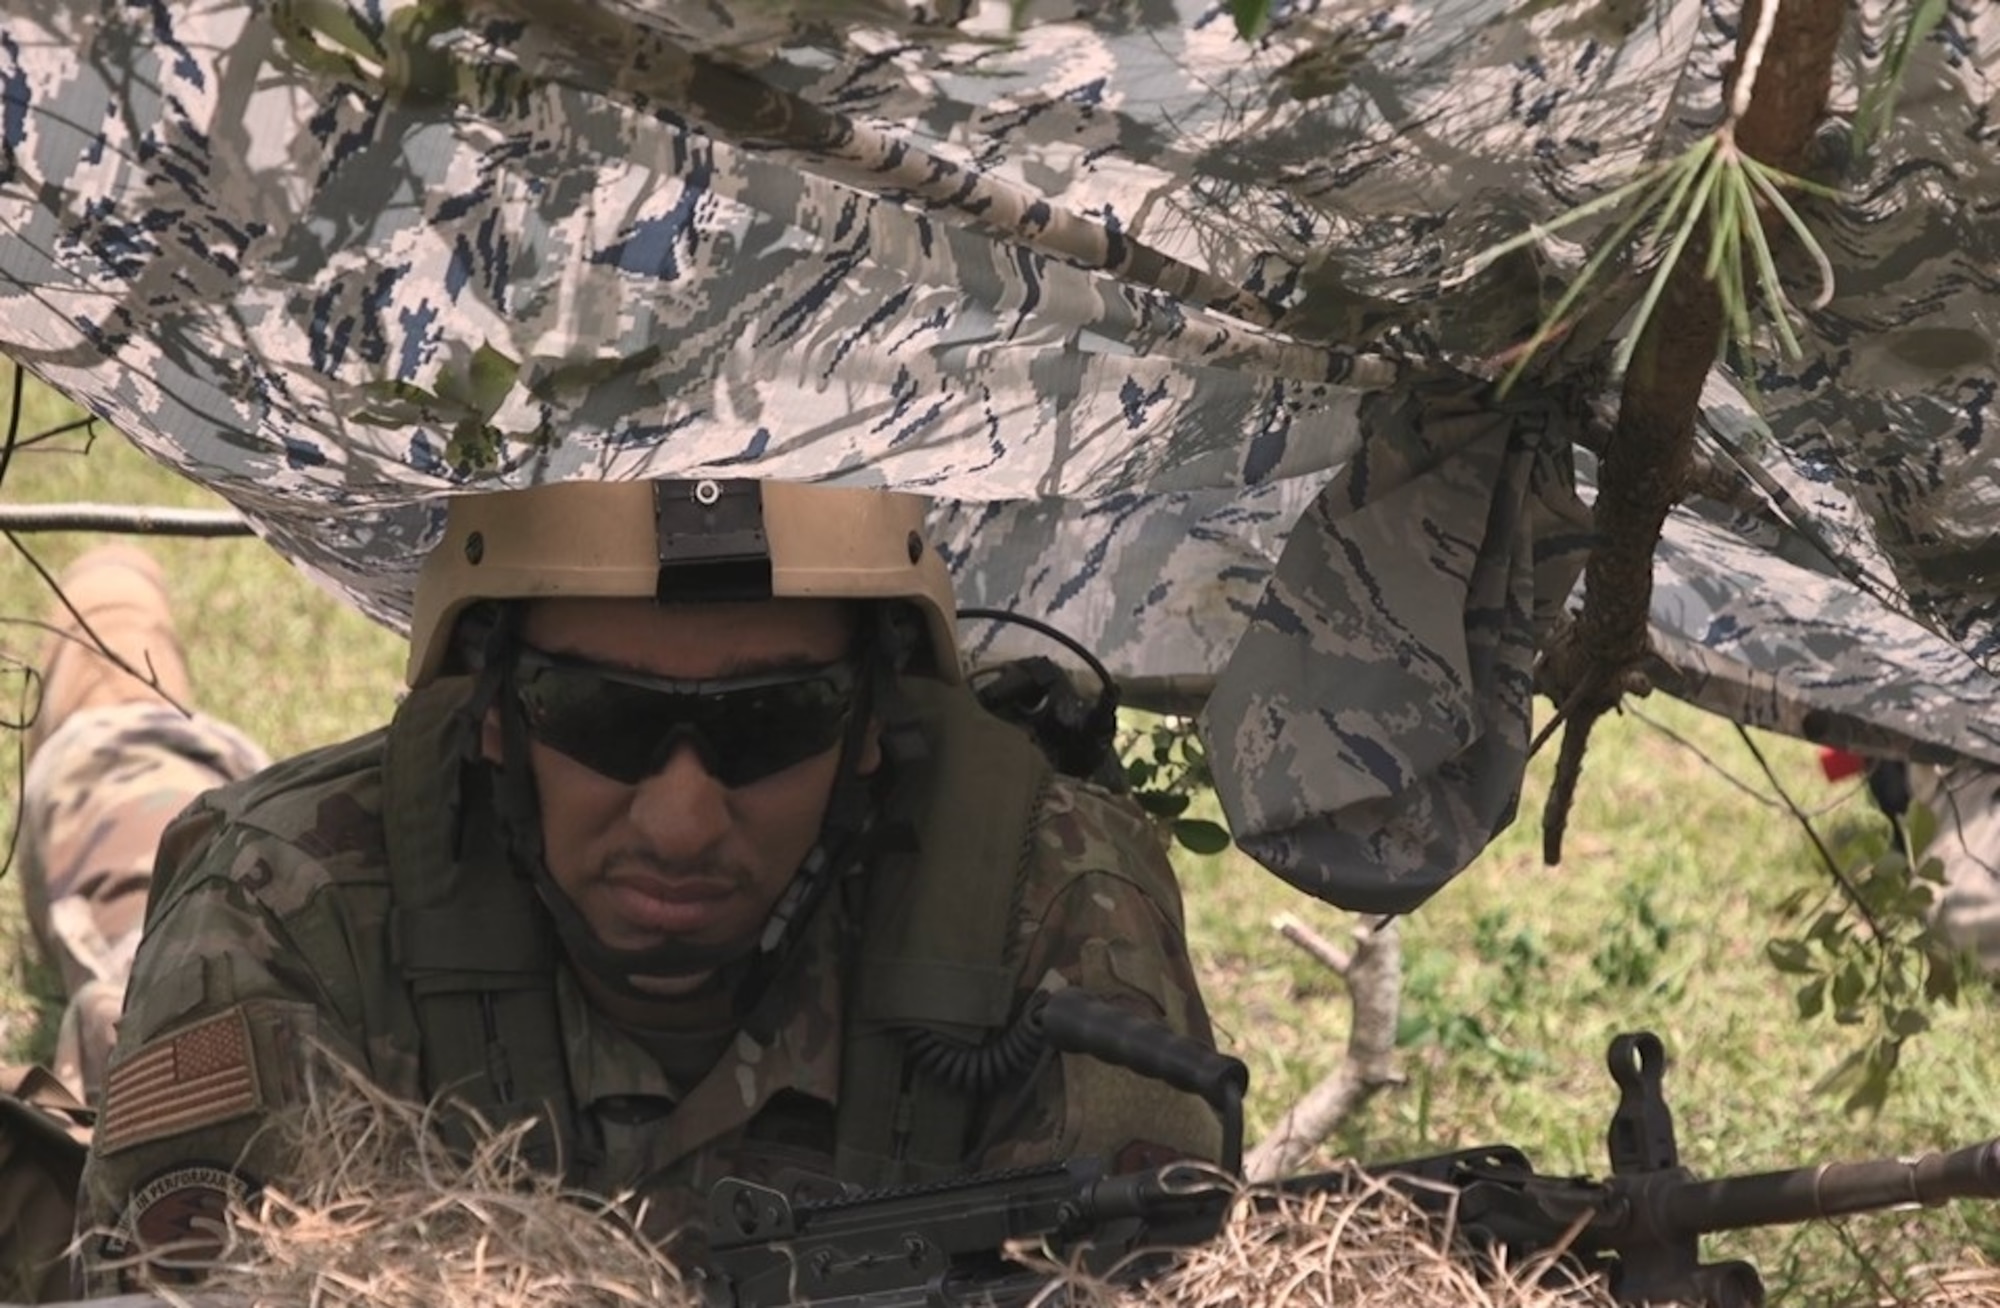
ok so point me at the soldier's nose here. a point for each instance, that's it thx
(681, 810)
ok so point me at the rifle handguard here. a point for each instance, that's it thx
(1078, 1022)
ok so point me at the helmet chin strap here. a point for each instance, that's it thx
(749, 964)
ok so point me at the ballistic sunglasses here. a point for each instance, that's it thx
(626, 725)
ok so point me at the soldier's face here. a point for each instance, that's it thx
(677, 855)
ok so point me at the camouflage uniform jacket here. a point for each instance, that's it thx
(270, 934)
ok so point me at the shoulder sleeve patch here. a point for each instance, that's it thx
(201, 1076)
(176, 1225)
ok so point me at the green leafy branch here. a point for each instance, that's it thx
(1867, 952)
(1166, 766)
(1871, 962)
(1878, 102)
(1714, 186)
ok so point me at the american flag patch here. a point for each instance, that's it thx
(193, 1078)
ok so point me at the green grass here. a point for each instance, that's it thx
(1516, 975)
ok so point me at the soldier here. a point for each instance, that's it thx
(111, 761)
(690, 846)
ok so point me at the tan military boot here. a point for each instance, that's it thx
(119, 591)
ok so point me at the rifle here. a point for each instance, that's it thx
(945, 1243)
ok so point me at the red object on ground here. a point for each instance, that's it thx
(1839, 764)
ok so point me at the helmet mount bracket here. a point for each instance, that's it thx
(712, 544)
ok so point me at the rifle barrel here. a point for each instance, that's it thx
(1832, 1190)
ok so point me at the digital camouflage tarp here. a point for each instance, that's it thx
(1184, 331)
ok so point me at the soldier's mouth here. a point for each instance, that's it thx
(668, 905)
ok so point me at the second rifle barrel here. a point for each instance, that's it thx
(1833, 1189)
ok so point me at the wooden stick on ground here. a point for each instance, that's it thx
(1373, 974)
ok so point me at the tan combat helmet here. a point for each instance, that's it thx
(682, 541)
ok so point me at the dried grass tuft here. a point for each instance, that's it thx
(388, 1217)
(1368, 1245)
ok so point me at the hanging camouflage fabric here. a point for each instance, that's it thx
(1185, 332)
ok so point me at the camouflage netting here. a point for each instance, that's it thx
(1183, 331)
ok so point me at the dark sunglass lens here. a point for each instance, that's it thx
(626, 730)
(761, 732)
(599, 723)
